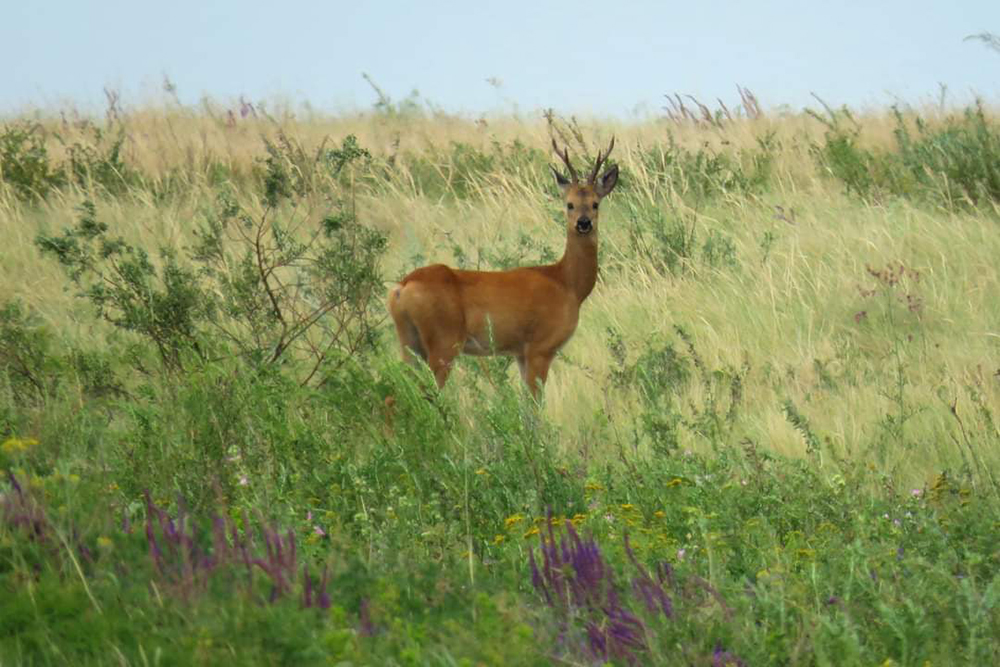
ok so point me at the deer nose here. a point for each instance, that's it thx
(584, 225)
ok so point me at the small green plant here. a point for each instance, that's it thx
(707, 174)
(718, 250)
(464, 171)
(899, 313)
(24, 162)
(33, 364)
(659, 374)
(668, 245)
(662, 375)
(671, 244)
(28, 369)
(100, 164)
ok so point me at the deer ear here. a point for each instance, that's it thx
(561, 180)
(608, 182)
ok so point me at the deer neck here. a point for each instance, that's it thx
(579, 264)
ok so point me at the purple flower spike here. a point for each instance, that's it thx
(721, 658)
(324, 597)
(577, 582)
(306, 587)
(14, 483)
(184, 562)
(367, 628)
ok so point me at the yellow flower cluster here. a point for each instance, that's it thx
(15, 445)
(511, 523)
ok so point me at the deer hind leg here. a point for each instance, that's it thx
(410, 343)
(409, 340)
(438, 351)
(430, 324)
(522, 364)
(535, 370)
(441, 352)
(436, 344)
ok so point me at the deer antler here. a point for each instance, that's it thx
(565, 158)
(600, 160)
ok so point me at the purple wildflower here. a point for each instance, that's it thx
(184, 563)
(650, 591)
(366, 627)
(323, 598)
(721, 657)
(575, 580)
(21, 510)
(307, 588)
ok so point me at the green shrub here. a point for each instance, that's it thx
(706, 174)
(100, 164)
(462, 171)
(955, 165)
(29, 370)
(259, 285)
(24, 162)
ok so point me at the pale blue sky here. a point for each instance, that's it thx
(605, 58)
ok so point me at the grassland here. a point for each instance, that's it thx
(772, 439)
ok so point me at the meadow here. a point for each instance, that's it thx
(772, 439)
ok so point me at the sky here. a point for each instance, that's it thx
(602, 58)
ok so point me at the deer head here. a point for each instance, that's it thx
(583, 199)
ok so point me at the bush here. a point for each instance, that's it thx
(954, 165)
(28, 370)
(24, 163)
(100, 164)
(706, 174)
(268, 286)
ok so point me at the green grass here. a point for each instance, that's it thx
(773, 434)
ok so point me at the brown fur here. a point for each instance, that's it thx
(528, 312)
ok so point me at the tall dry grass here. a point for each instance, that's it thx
(798, 307)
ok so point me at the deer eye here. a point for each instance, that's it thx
(569, 206)
(595, 205)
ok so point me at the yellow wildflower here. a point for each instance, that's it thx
(532, 531)
(498, 539)
(15, 445)
(659, 514)
(513, 520)
(628, 507)
(481, 471)
(676, 481)
(104, 543)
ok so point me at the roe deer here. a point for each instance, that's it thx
(528, 312)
